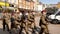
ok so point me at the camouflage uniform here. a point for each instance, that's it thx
(31, 22)
(9, 22)
(15, 23)
(6, 22)
(43, 25)
(23, 23)
(18, 20)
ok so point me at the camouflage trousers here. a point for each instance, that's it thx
(8, 24)
(44, 29)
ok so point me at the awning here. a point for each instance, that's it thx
(4, 4)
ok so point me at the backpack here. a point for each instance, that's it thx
(12, 19)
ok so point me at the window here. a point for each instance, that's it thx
(20, 0)
(20, 6)
(34, 0)
(28, 0)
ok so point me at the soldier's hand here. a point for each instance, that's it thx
(47, 23)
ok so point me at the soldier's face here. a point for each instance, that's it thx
(33, 12)
(30, 13)
(44, 13)
(26, 13)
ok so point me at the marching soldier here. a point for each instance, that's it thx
(31, 22)
(43, 24)
(14, 21)
(23, 23)
(5, 22)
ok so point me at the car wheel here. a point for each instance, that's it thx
(55, 21)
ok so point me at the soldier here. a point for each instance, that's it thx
(5, 22)
(17, 20)
(23, 23)
(43, 24)
(13, 24)
(31, 22)
(12, 21)
(9, 22)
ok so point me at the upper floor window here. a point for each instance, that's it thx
(20, 0)
(33, 0)
(29, 0)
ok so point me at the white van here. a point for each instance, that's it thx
(55, 18)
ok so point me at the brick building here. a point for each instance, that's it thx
(25, 4)
(58, 5)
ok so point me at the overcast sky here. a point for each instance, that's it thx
(49, 1)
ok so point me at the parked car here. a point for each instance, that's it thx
(54, 18)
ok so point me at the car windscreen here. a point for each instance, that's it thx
(58, 13)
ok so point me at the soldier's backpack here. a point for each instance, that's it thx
(40, 22)
(24, 17)
(12, 19)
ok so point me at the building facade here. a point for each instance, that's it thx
(58, 5)
(25, 4)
